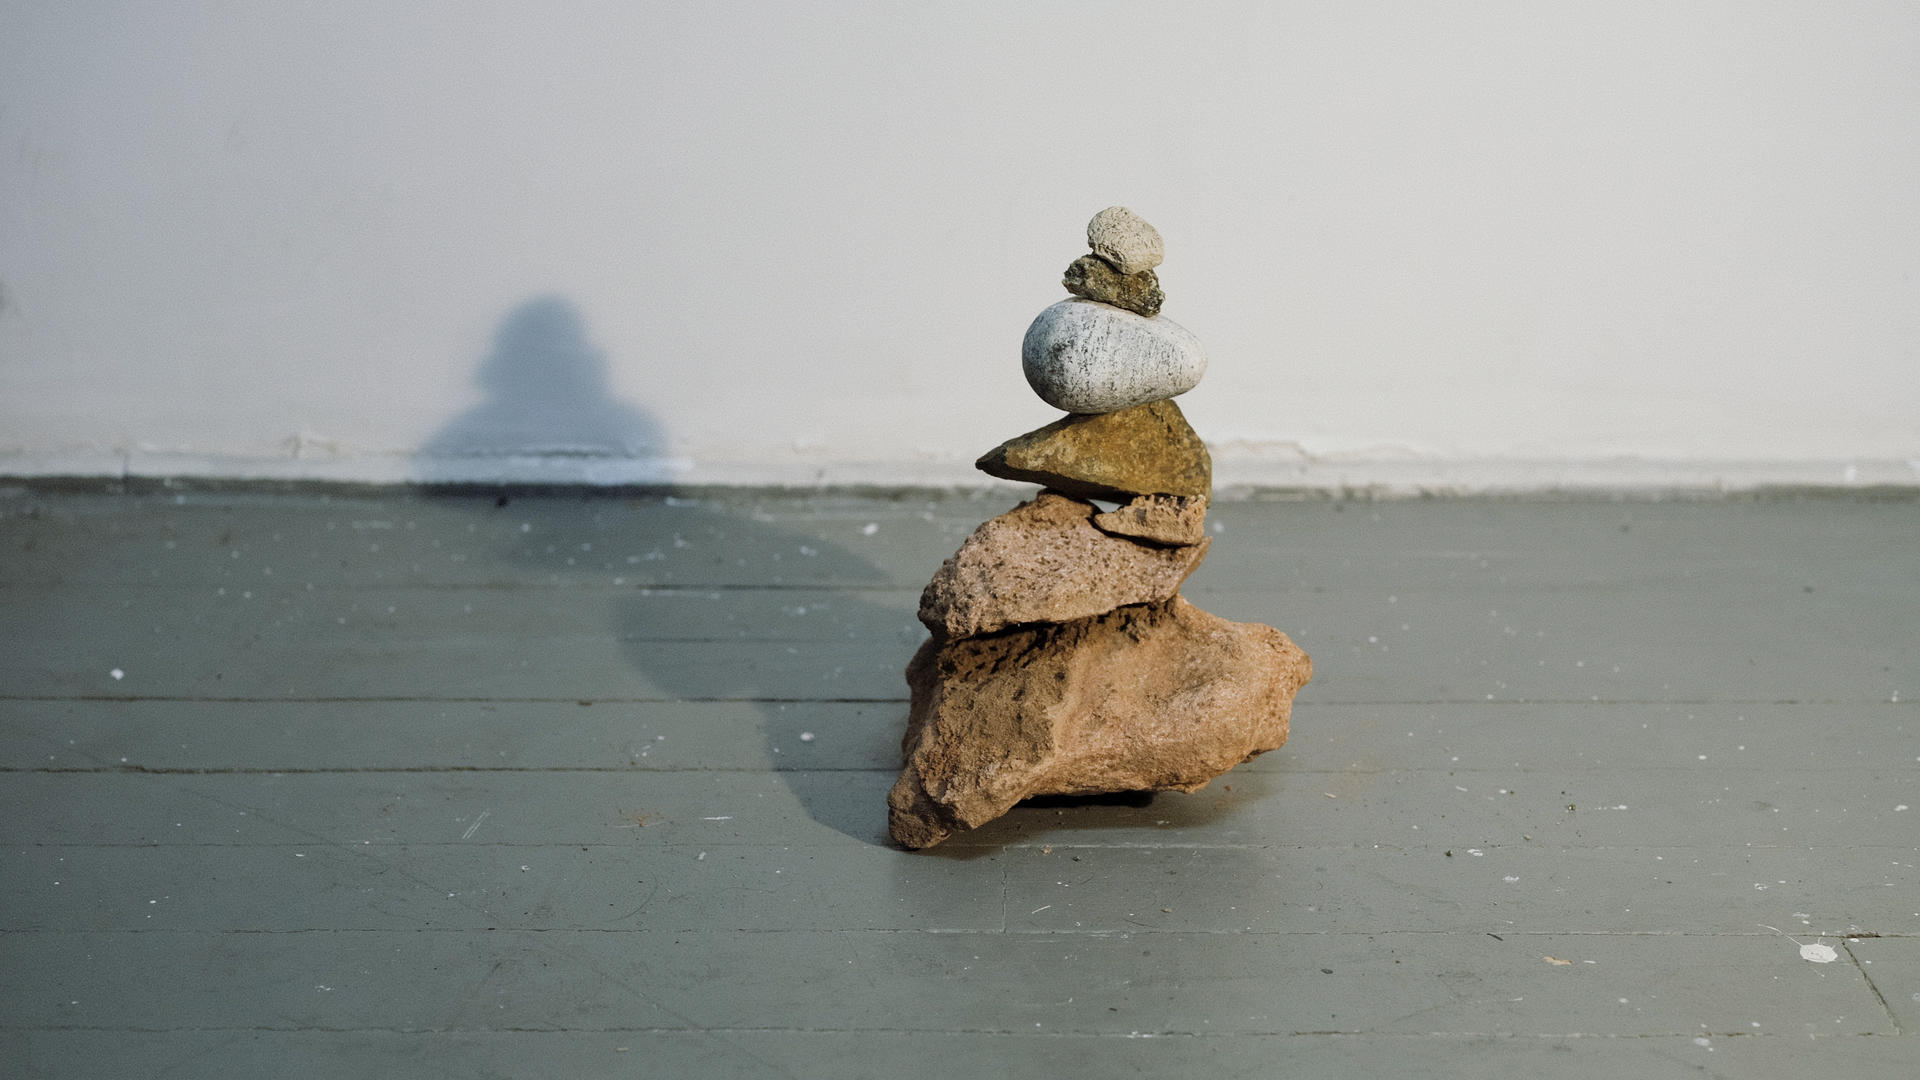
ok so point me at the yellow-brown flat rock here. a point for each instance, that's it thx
(1145, 450)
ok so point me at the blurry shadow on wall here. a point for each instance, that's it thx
(547, 398)
(710, 596)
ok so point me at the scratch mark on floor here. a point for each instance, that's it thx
(475, 827)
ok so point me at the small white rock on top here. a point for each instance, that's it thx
(1125, 241)
(1086, 357)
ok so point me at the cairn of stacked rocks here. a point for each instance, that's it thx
(1063, 660)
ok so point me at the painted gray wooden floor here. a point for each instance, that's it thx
(413, 786)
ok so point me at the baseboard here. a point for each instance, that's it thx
(1235, 475)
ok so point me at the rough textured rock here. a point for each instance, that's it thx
(1043, 561)
(1086, 357)
(1125, 240)
(1158, 519)
(1092, 278)
(1146, 450)
(1158, 697)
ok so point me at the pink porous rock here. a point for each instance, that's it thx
(1044, 561)
(1158, 519)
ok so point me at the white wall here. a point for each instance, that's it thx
(1473, 242)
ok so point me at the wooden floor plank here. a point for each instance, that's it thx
(413, 736)
(1594, 808)
(1188, 984)
(1359, 548)
(1505, 740)
(1647, 644)
(1061, 889)
(759, 1053)
(480, 887)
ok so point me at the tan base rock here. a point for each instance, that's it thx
(1044, 561)
(1158, 519)
(1145, 450)
(1155, 697)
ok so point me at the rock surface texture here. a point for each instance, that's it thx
(1125, 240)
(1044, 561)
(1063, 660)
(1081, 356)
(1146, 450)
(1155, 697)
(1158, 519)
(1090, 276)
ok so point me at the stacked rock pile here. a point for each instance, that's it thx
(1063, 660)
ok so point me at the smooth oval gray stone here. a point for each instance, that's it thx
(1086, 357)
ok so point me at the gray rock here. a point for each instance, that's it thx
(1092, 278)
(1125, 240)
(1086, 357)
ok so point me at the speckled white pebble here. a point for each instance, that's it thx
(1086, 357)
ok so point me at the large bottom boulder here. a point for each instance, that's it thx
(1149, 697)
